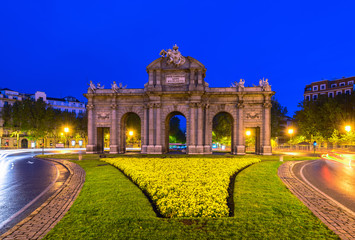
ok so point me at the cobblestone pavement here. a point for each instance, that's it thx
(341, 221)
(44, 218)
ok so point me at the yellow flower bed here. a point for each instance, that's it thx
(184, 187)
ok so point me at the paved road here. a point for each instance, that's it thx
(25, 183)
(332, 178)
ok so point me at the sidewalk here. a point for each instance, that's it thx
(44, 218)
(337, 219)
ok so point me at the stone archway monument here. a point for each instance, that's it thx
(176, 85)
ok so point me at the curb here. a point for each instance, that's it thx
(341, 222)
(45, 217)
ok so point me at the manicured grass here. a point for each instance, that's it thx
(111, 207)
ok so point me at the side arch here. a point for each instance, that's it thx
(122, 130)
(232, 124)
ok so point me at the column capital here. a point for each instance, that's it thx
(192, 105)
(240, 104)
(114, 106)
(90, 106)
(267, 105)
(157, 105)
(150, 105)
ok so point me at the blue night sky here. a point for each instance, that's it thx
(58, 46)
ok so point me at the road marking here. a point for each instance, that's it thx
(318, 190)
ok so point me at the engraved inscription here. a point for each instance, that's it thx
(173, 79)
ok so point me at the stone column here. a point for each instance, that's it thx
(199, 77)
(191, 147)
(266, 148)
(240, 148)
(151, 77)
(150, 148)
(91, 146)
(192, 79)
(199, 130)
(113, 129)
(207, 147)
(158, 143)
(145, 129)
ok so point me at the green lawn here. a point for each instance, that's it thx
(111, 207)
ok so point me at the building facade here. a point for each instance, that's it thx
(68, 104)
(176, 86)
(329, 88)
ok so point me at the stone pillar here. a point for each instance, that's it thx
(91, 146)
(240, 148)
(150, 147)
(145, 129)
(199, 77)
(151, 77)
(199, 130)
(113, 129)
(266, 147)
(158, 140)
(158, 77)
(192, 79)
(191, 147)
(207, 147)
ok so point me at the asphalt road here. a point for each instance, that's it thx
(25, 183)
(332, 178)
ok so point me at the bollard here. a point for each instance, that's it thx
(80, 157)
(281, 158)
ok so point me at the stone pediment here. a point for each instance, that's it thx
(162, 63)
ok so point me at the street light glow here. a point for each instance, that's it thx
(248, 133)
(66, 129)
(290, 131)
(130, 133)
(348, 128)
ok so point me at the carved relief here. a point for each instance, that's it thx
(90, 107)
(103, 116)
(174, 56)
(267, 105)
(253, 116)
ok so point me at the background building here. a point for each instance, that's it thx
(66, 104)
(329, 88)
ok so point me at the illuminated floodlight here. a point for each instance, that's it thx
(248, 133)
(66, 129)
(348, 128)
(290, 131)
(130, 133)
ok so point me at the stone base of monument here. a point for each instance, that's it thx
(158, 149)
(144, 149)
(207, 149)
(266, 150)
(199, 149)
(90, 149)
(113, 149)
(240, 150)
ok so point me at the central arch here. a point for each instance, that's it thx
(176, 140)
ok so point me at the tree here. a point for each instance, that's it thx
(278, 113)
(318, 119)
(176, 135)
(222, 128)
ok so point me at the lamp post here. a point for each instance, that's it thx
(290, 131)
(247, 133)
(66, 130)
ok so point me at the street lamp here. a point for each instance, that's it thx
(290, 131)
(248, 133)
(348, 128)
(130, 133)
(66, 130)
